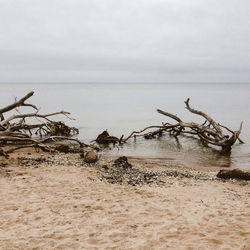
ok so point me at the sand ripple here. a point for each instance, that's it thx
(66, 207)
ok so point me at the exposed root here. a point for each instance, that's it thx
(19, 130)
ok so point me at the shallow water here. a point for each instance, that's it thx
(122, 108)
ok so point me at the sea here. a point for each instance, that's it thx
(121, 108)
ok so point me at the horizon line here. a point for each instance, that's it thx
(119, 82)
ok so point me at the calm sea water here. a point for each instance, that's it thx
(122, 108)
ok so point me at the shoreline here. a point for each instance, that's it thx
(57, 201)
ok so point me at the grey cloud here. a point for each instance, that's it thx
(140, 40)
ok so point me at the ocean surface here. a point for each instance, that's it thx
(123, 107)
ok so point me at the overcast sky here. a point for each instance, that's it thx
(125, 41)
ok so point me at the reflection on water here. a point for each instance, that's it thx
(122, 108)
(182, 150)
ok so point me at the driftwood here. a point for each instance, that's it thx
(234, 174)
(17, 131)
(49, 135)
(105, 138)
(210, 132)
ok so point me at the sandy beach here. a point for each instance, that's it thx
(59, 202)
(124, 125)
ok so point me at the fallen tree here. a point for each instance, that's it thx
(209, 132)
(35, 130)
(49, 135)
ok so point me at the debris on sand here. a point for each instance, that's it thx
(122, 172)
(233, 174)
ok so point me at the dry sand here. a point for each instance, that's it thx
(64, 205)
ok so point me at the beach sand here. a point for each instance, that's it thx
(64, 204)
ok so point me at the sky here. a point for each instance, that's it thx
(124, 41)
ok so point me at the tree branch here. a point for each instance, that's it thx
(18, 103)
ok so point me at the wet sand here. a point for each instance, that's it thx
(61, 203)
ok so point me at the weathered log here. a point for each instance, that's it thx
(233, 174)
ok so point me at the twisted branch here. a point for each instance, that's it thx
(16, 133)
(211, 133)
